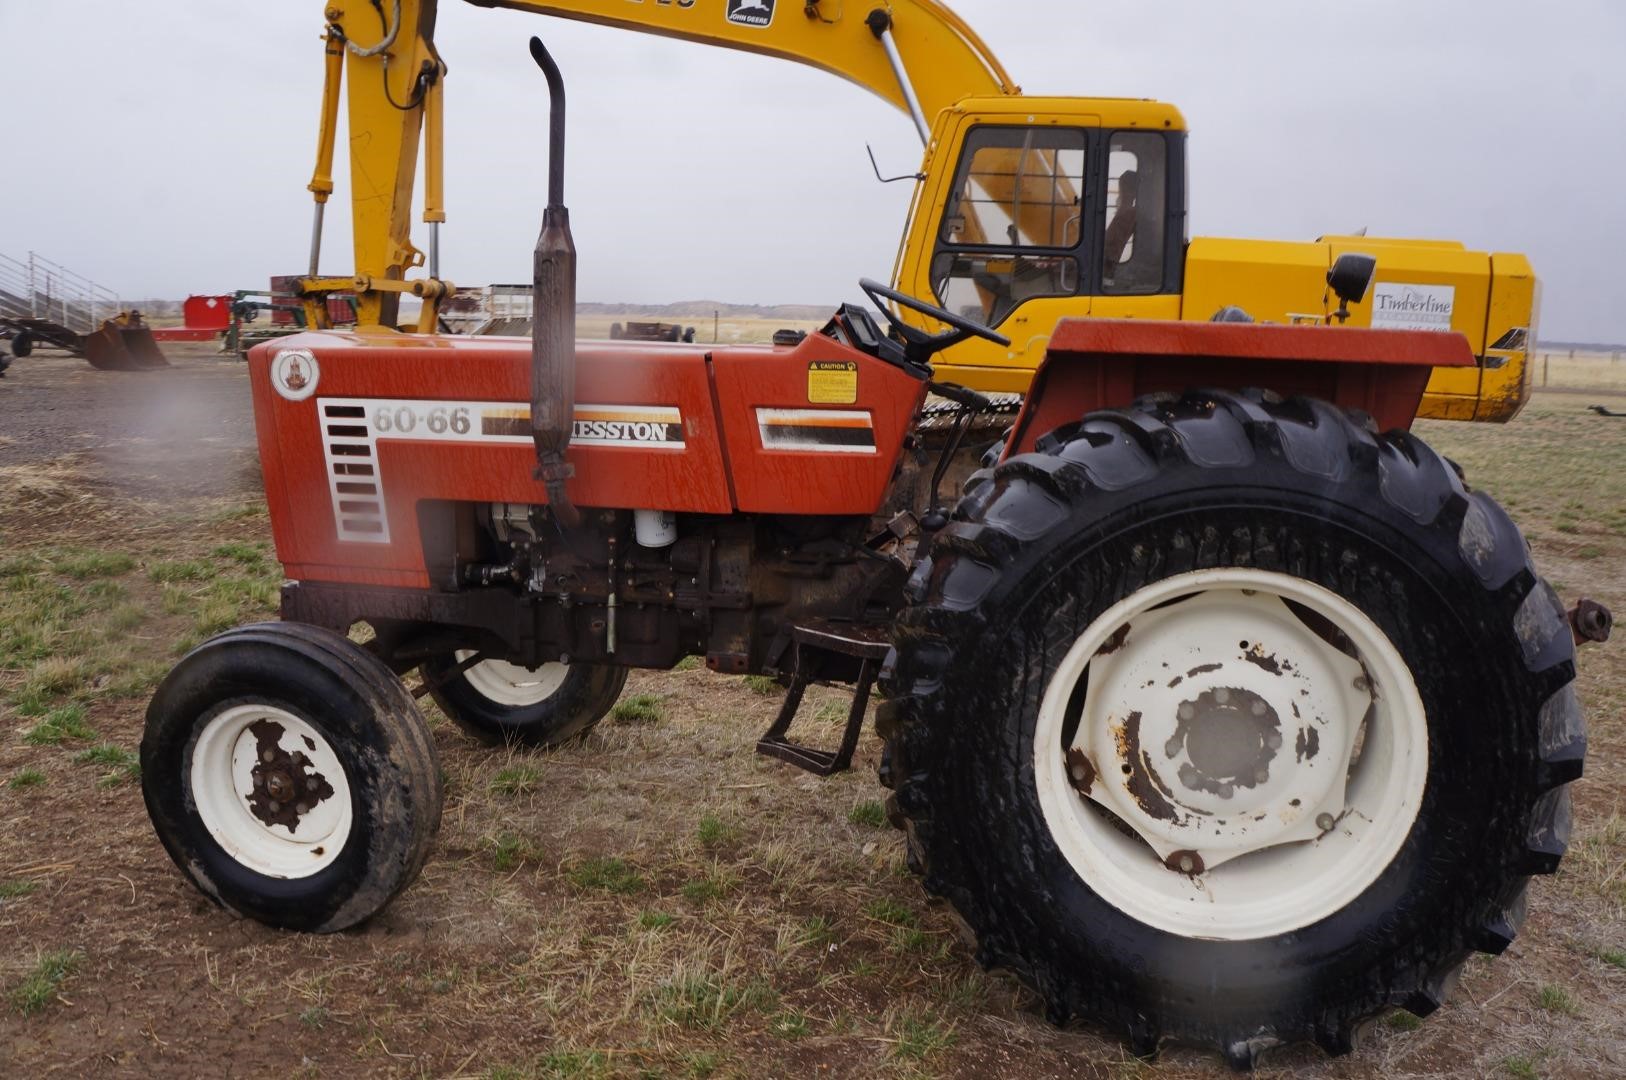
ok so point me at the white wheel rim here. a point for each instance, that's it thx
(510, 684)
(1224, 774)
(271, 791)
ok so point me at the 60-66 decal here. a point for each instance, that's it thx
(646, 426)
(406, 418)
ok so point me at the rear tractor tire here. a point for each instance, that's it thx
(290, 776)
(499, 702)
(1269, 723)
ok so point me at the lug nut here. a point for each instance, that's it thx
(1080, 770)
(1185, 862)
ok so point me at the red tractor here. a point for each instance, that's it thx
(1223, 715)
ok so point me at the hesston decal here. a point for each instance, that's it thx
(598, 425)
(640, 431)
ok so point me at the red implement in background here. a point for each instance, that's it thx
(206, 318)
(288, 310)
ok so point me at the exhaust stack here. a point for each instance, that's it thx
(553, 314)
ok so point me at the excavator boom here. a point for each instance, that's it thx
(916, 54)
(944, 57)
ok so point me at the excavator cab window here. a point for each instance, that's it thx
(1014, 223)
(1136, 213)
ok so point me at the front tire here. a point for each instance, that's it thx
(499, 702)
(1174, 609)
(290, 776)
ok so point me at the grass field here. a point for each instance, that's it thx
(656, 900)
(1571, 370)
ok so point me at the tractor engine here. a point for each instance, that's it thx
(637, 588)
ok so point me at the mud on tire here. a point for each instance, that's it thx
(290, 776)
(1299, 492)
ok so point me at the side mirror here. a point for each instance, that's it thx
(1349, 278)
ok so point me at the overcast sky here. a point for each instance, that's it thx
(163, 148)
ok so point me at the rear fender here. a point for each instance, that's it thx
(1102, 363)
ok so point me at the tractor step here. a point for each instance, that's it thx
(824, 651)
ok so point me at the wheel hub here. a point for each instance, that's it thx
(278, 786)
(1190, 723)
(284, 785)
(1230, 737)
(271, 790)
(1227, 717)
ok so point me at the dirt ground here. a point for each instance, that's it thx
(655, 901)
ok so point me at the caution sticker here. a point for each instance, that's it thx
(832, 382)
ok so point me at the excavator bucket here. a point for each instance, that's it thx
(120, 347)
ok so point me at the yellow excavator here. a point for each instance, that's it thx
(1026, 210)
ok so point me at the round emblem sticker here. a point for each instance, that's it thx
(294, 374)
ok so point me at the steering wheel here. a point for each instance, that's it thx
(918, 344)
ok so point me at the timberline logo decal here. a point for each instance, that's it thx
(1412, 307)
(758, 13)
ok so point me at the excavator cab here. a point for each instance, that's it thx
(1034, 210)
(1055, 211)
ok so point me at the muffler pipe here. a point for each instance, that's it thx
(553, 314)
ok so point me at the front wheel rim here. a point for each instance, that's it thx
(270, 789)
(1246, 757)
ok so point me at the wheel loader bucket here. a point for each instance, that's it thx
(116, 347)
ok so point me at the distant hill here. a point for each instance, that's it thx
(696, 309)
(1577, 346)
